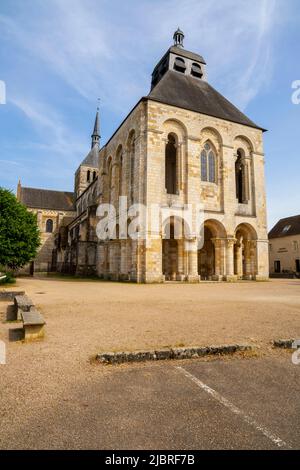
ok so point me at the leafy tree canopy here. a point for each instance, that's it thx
(19, 233)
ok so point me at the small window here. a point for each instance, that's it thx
(179, 65)
(286, 228)
(88, 176)
(94, 175)
(171, 165)
(49, 226)
(196, 70)
(241, 178)
(295, 245)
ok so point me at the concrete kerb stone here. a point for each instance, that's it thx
(171, 353)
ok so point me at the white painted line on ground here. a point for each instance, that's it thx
(276, 440)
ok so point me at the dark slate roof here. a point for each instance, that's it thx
(190, 93)
(278, 230)
(184, 53)
(92, 158)
(47, 199)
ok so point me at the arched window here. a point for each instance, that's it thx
(109, 179)
(94, 175)
(88, 176)
(241, 178)
(196, 70)
(171, 165)
(179, 65)
(49, 226)
(208, 164)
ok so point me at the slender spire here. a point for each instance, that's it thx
(96, 132)
(178, 38)
(19, 189)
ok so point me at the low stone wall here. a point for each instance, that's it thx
(283, 343)
(172, 353)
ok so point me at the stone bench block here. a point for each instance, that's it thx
(33, 324)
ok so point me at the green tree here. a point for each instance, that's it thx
(19, 233)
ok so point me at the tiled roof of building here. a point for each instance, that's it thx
(190, 93)
(286, 227)
(47, 199)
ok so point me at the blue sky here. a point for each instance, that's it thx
(58, 56)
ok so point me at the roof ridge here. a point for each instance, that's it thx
(45, 189)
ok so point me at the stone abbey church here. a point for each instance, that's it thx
(182, 144)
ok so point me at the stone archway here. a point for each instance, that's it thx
(211, 254)
(245, 252)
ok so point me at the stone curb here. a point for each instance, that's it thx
(10, 295)
(172, 353)
(283, 343)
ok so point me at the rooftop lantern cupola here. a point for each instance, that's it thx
(179, 60)
(178, 38)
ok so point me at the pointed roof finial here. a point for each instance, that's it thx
(178, 38)
(96, 132)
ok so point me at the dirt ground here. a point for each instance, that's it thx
(87, 317)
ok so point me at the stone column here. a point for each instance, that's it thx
(223, 257)
(253, 251)
(134, 262)
(239, 259)
(217, 242)
(230, 276)
(248, 267)
(123, 262)
(111, 255)
(180, 260)
(191, 247)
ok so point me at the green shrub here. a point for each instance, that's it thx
(19, 233)
(9, 279)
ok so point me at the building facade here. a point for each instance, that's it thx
(51, 208)
(183, 145)
(284, 247)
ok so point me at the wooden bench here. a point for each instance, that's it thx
(22, 304)
(33, 324)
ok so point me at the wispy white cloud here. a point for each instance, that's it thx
(102, 48)
(60, 139)
(82, 49)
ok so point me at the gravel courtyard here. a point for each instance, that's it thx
(86, 317)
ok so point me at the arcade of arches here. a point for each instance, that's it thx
(218, 257)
